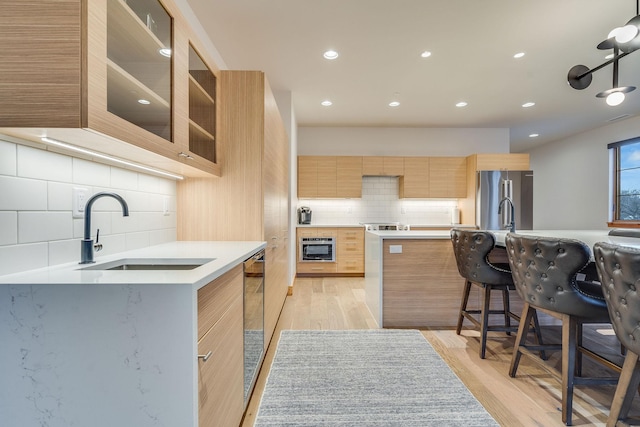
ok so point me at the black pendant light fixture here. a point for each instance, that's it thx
(623, 40)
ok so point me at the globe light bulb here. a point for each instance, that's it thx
(626, 33)
(615, 98)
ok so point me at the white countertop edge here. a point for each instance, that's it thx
(227, 254)
(413, 234)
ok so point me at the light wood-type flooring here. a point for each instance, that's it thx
(532, 398)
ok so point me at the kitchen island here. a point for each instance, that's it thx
(113, 348)
(412, 280)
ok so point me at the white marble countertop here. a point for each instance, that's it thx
(225, 256)
(590, 237)
(410, 225)
(412, 234)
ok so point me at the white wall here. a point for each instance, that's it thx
(384, 141)
(571, 178)
(37, 228)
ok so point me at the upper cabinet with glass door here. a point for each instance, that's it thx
(139, 48)
(202, 107)
(111, 76)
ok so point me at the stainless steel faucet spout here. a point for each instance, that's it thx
(512, 223)
(86, 245)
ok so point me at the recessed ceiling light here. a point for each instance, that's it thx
(165, 51)
(461, 104)
(326, 103)
(425, 54)
(518, 55)
(534, 135)
(528, 104)
(330, 54)
(394, 104)
(144, 101)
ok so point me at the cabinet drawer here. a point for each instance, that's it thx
(350, 248)
(220, 378)
(351, 266)
(317, 267)
(215, 298)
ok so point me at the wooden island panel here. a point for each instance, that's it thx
(422, 287)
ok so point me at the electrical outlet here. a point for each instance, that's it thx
(165, 205)
(79, 201)
(395, 249)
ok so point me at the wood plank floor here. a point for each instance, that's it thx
(533, 398)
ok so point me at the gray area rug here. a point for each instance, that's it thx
(376, 377)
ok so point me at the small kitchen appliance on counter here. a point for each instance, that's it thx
(304, 215)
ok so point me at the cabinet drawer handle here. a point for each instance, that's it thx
(205, 357)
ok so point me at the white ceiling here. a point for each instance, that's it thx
(472, 44)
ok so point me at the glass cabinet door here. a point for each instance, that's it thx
(139, 51)
(202, 108)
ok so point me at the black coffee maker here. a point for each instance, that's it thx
(304, 215)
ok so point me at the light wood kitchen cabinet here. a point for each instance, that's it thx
(349, 177)
(329, 177)
(350, 250)
(415, 182)
(447, 177)
(202, 107)
(382, 165)
(434, 177)
(314, 267)
(220, 341)
(500, 161)
(250, 200)
(107, 75)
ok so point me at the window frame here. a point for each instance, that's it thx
(615, 166)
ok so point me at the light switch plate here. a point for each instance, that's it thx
(395, 249)
(79, 201)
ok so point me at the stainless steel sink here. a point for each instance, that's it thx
(150, 264)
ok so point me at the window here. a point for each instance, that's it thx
(626, 179)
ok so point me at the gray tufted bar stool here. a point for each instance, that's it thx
(619, 272)
(472, 249)
(544, 273)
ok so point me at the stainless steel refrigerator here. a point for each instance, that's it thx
(493, 186)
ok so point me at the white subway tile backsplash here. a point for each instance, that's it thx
(154, 184)
(380, 203)
(42, 164)
(8, 228)
(90, 173)
(124, 179)
(22, 194)
(44, 226)
(137, 240)
(125, 224)
(36, 224)
(17, 258)
(157, 237)
(59, 196)
(8, 164)
(64, 251)
(111, 245)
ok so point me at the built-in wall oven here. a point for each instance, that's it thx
(317, 249)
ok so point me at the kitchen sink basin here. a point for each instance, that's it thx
(151, 264)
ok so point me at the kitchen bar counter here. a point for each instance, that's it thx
(411, 277)
(107, 348)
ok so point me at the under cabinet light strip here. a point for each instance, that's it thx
(109, 158)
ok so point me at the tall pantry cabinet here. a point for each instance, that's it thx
(249, 201)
